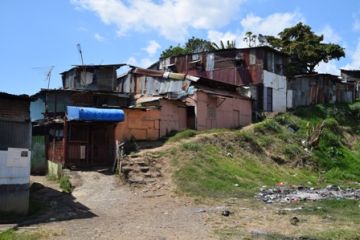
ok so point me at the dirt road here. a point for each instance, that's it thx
(117, 211)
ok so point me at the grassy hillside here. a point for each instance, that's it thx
(311, 146)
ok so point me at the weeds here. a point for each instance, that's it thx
(188, 133)
(64, 182)
(15, 235)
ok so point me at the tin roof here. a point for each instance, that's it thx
(8, 95)
(95, 66)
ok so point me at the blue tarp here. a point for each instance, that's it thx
(95, 114)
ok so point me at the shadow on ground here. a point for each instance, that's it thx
(49, 205)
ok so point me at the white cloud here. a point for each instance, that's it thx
(216, 36)
(329, 67)
(152, 48)
(98, 37)
(356, 23)
(355, 58)
(330, 35)
(143, 62)
(171, 18)
(131, 61)
(272, 24)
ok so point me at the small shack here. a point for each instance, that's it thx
(77, 125)
(165, 102)
(309, 89)
(352, 77)
(15, 145)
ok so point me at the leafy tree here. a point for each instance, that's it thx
(305, 48)
(173, 51)
(261, 40)
(229, 44)
(193, 45)
(250, 38)
(196, 45)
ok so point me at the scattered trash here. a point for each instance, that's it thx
(229, 155)
(225, 213)
(201, 210)
(236, 184)
(284, 193)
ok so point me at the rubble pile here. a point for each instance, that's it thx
(285, 194)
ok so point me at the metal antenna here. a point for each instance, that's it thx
(48, 75)
(80, 52)
(47, 72)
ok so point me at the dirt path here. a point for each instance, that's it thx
(125, 213)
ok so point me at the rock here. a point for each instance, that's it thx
(226, 213)
(294, 221)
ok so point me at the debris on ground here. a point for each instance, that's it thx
(225, 213)
(284, 193)
(294, 220)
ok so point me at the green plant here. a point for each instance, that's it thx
(188, 133)
(65, 184)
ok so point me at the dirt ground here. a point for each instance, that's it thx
(104, 208)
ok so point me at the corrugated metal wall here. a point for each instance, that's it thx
(15, 135)
(233, 66)
(14, 110)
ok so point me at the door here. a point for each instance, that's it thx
(102, 145)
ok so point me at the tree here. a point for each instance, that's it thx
(173, 51)
(193, 45)
(305, 48)
(229, 45)
(250, 38)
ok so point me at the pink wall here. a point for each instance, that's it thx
(214, 111)
(139, 124)
(172, 116)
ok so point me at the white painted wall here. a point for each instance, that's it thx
(15, 168)
(279, 86)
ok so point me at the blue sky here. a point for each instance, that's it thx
(38, 34)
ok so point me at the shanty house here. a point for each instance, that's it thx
(166, 102)
(309, 89)
(352, 77)
(15, 144)
(91, 77)
(261, 69)
(77, 125)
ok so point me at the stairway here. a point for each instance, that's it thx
(140, 169)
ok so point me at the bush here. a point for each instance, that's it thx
(65, 184)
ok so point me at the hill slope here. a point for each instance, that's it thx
(311, 146)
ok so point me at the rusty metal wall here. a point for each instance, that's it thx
(55, 150)
(12, 109)
(232, 66)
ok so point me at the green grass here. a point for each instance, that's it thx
(235, 163)
(209, 170)
(16, 235)
(340, 210)
(188, 133)
(64, 182)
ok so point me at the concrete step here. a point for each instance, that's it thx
(144, 169)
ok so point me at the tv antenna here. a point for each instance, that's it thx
(48, 72)
(80, 52)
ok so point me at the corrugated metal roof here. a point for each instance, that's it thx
(147, 99)
(95, 66)
(8, 95)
